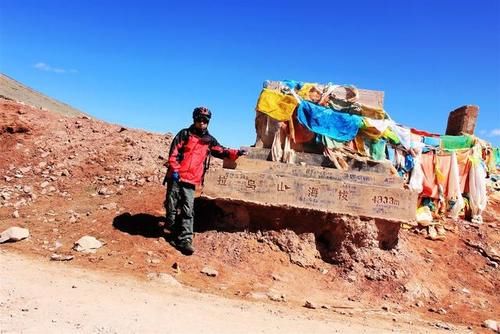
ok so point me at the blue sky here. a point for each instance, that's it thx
(147, 64)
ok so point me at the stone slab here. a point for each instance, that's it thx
(323, 195)
(314, 159)
(462, 120)
(314, 172)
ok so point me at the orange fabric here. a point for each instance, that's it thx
(464, 165)
(301, 133)
(441, 162)
(360, 144)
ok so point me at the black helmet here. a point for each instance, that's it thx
(202, 112)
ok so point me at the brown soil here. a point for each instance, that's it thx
(63, 178)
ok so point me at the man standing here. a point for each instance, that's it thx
(187, 163)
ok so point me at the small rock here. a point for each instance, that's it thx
(385, 308)
(14, 234)
(104, 191)
(87, 244)
(464, 290)
(440, 310)
(419, 303)
(310, 305)
(109, 206)
(165, 278)
(277, 277)
(61, 257)
(491, 324)
(25, 170)
(444, 325)
(15, 214)
(209, 271)
(176, 267)
(276, 296)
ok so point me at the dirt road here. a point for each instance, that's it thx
(43, 297)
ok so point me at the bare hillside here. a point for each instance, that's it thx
(16, 91)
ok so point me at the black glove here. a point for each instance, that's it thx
(242, 152)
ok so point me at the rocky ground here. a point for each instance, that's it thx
(64, 178)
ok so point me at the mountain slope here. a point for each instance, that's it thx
(16, 91)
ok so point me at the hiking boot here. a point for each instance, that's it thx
(185, 247)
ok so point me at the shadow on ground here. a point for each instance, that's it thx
(144, 224)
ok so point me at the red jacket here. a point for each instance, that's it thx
(189, 152)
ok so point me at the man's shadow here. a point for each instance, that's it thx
(144, 224)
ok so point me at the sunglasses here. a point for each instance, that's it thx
(202, 120)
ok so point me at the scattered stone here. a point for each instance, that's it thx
(491, 324)
(164, 278)
(109, 206)
(61, 257)
(276, 296)
(209, 271)
(444, 325)
(104, 191)
(87, 244)
(27, 189)
(440, 310)
(25, 170)
(15, 214)
(277, 277)
(14, 234)
(310, 305)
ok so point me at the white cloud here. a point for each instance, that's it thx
(47, 68)
(494, 133)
